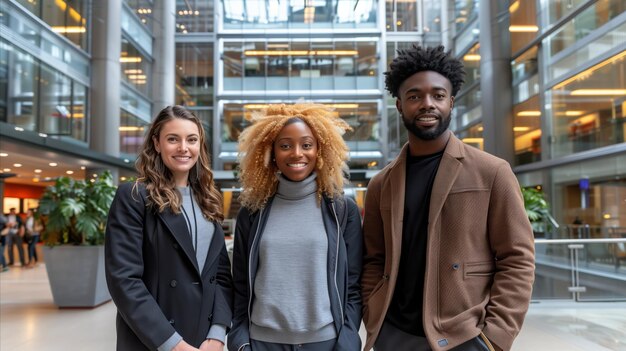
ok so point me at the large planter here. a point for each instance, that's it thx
(76, 275)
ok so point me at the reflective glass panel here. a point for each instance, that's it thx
(471, 63)
(523, 23)
(194, 74)
(587, 110)
(194, 16)
(132, 131)
(527, 131)
(143, 10)
(464, 12)
(55, 99)
(68, 18)
(473, 136)
(23, 89)
(135, 67)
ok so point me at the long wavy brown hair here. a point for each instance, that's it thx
(159, 180)
(256, 142)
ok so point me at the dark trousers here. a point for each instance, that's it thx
(313, 346)
(391, 338)
(3, 261)
(17, 240)
(32, 249)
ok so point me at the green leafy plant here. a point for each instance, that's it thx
(75, 211)
(538, 210)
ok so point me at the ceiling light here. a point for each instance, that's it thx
(301, 53)
(123, 179)
(523, 29)
(38, 171)
(133, 71)
(521, 129)
(6, 169)
(69, 172)
(130, 129)
(514, 6)
(52, 164)
(529, 114)
(598, 92)
(69, 29)
(17, 165)
(586, 73)
(471, 57)
(3, 154)
(82, 168)
(574, 113)
(130, 59)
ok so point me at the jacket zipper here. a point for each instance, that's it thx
(256, 235)
(337, 262)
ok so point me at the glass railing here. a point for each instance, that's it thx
(592, 268)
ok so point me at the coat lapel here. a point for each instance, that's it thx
(397, 179)
(447, 173)
(216, 247)
(177, 226)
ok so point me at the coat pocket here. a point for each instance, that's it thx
(479, 269)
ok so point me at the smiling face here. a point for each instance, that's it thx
(295, 151)
(425, 103)
(178, 144)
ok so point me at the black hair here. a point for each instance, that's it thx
(418, 59)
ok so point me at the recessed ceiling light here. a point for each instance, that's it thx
(3, 154)
(69, 172)
(82, 168)
(38, 171)
(17, 165)
(94, 175)
(52, 164)
(7, 169)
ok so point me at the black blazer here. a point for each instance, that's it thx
(154, 278)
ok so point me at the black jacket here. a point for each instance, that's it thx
(345, 249)
(154, 279)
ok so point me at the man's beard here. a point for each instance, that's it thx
(427, 134)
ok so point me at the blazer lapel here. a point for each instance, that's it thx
(216, 247)
(447, 173)
(177, 226)
(397, 179)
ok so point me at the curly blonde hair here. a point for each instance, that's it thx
(256, 142)
(158, 179)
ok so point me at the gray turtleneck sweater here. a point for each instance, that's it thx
(291, 296)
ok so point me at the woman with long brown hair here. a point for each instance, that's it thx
(166, 264)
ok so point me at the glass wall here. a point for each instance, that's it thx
(464, 13)
(523, 24)
(194, 16)
(578, 41)
(401, 16)
(136, 67)
(432, 16)
(363, 117)
(132, 131)
(284, 64)
(68, 18)
(298, 14)
(527, 131)
(40, 98)
(194, 74)
(473, 136)
(588, 108)
(143, 10)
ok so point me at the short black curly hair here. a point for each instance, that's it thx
(418, 59)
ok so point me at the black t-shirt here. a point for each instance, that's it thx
(405, 311)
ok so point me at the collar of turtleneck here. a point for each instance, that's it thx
(296, 190)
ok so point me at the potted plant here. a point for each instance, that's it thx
(538, 212)
(75, 213)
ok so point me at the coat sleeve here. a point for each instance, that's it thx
(512, 242)
(124, 268)
(373, 244)
(353, 238)
(239, 335)
(223, 302)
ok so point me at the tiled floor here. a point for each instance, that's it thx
(30, 322)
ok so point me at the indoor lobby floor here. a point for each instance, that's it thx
(29, 321)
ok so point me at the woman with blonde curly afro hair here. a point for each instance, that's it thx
(298, 245)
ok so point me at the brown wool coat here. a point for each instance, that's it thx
(480, 254)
